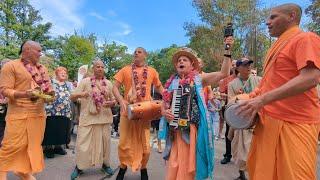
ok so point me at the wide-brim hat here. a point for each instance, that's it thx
(188, 52)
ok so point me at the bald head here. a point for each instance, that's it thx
(291, 9)
(97, 62)
(282, 18)
(29, 44)
(31, 51)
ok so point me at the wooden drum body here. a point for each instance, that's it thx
(146, 110)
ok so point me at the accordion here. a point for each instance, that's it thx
(181, 106)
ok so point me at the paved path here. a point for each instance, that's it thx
(60, 167)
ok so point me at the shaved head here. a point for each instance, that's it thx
(290, 9)
(98, 62)
(31, 51)
(143, 49)
(29, 44)
(139, 56)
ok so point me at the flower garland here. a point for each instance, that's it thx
(41, 79)
(98, 94)
(140, 86)
(167, 95)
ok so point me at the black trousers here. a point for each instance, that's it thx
(116, 121)
(228, 142)
(155, 124)
(2, 127)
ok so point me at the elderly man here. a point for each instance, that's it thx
(134, 147)
(21, 149)
(93, 139)
(284, 144)
(245, 82)
(189, 143)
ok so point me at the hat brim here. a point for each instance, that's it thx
(192, 57)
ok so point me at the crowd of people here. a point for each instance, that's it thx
(38, 112)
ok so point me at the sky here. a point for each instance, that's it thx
(134, 23)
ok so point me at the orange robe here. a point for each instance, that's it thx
(283, 150)
(21, 149)
(285, 140)
(182, 161)
(134, 146)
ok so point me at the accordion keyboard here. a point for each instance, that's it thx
(175, 107)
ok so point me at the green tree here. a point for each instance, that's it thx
(207, 38)
(75, 52)
(114, 56)
(162, 61)
(19, 21)
(28, 24)
(313, 11)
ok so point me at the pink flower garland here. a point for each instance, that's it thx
(140, 86)
(98, 95)
(41, 79)
(167, 95)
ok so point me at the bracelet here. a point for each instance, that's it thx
(227, 55)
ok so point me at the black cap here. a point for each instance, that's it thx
(243, 62)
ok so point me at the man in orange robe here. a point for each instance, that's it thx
(21, 149)
(134, 146)
(284, 142)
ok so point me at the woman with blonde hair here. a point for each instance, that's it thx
(58, 115)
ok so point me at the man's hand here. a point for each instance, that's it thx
(230, 41)
(109, 103)
(123, 106)
(84, 95)
(167, 114)
(3, 100)
(240, 91)
(249, 108)
(30, 94)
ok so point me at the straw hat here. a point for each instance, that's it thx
(188, 52)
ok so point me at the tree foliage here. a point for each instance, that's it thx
(162, 61)
(19, 21)
(313, 11)
(76, 51)
(207, 38)
(114, 56)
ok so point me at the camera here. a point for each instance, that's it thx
(228, 31)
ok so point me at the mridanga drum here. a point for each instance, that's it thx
(146, 110)
(234, 120)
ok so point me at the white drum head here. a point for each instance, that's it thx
(234, 120)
